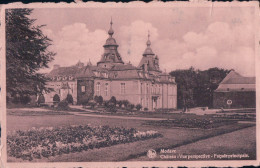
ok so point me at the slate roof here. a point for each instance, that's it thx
(64, 71)
(236, 82)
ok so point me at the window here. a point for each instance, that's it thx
(83, 89)
(106, 89)
(147, 88)
(141, 101)
(122, 88)
(98, 89)
(147, 102)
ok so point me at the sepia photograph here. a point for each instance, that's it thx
(129, 83)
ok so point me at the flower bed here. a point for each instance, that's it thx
(191, 123)
(47, 142)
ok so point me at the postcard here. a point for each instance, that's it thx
(130, 84)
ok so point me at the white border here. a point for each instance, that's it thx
(128, 5)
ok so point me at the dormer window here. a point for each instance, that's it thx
(58, 78)
(146, 75)
(64, 78)
(70, 78)
(141, 74)
(97, 73)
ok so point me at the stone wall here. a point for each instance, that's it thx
(239, 99)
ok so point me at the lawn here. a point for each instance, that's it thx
(238, 142)
(171, 137)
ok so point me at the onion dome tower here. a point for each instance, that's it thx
(150, 61)
(111, 56)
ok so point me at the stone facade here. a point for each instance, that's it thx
(145, 84)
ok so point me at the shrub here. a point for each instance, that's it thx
(138, 107)
(63, 105)
(125, 103)
(113, 100)
(96, 98)
(106, 103)
(111, 108)
(41, 99)
(56, 98)
(120, 103)
(69, 99)
(145, 109)
(99, 100)
(16, 99)
(25, 99)
(84, 101)
(130, 106)
(92, 103)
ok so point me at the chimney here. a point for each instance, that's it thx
(56, 66)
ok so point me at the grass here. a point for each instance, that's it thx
(242, 141)
(34, 113)
(172, 137)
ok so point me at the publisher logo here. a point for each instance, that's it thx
(151, 153)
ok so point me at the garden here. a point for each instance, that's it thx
(200, 123)
(51, 141)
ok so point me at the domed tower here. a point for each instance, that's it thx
(111, 55)
(150, 61)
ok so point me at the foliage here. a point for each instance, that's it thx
(138, 107)
(130, 106)
(63, 140)
(63, 105)
(41, 99)
(106, 103)
(195, 87)
(69, 99)
(92, 104)
(192, 123)
(125, 103)
(120, 103)
(84, 101)
(111, 108)
(56, 98)
(26, 53)
(25, 99)
(98, 99)
(113, 100)
(145, 109)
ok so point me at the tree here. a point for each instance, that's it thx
(125, 103)
(196, 87)
(98, 99)
(138, 107)
(41, 99)
(26, 53)
(56, 98)
(113, 100)
(69, 99)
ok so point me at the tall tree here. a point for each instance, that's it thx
(26, 53)
(195, 87)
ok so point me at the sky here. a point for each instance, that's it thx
(201, 37)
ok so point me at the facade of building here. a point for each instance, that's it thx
(145, 84)
(235, 91)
